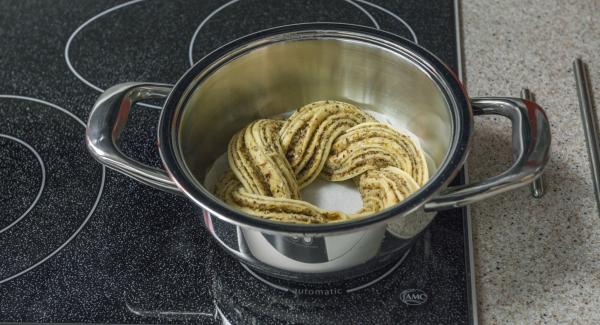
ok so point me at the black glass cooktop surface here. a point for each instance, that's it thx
(81, 243)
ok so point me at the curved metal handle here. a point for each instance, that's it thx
(531, 149)
(106, 122)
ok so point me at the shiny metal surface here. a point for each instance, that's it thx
(590, 124)
(278, 70)
(107, 120)
(537, 186)
(283, 76)
(531, 147)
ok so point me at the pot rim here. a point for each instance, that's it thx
(439, 72)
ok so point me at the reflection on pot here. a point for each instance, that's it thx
(242, 299)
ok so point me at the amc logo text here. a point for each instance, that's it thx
(413, 297)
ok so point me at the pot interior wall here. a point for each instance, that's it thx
(281, 77)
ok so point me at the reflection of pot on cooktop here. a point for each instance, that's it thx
(411, 295)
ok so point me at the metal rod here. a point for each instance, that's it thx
(537, 186)
(590, 124)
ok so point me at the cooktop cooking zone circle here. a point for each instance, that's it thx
(275, 16)
(13, 199)
(131, 62)
(71, 182)
(375, 299)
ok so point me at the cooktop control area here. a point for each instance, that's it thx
(81, 243)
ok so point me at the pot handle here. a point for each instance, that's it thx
(106, 122)
(531, 149)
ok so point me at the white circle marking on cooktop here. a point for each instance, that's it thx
(216, 11)
(366, 12)
(352, 2)
(89, 215)
(387, 11)
(42, 185)
(81, 27)
(190, 54)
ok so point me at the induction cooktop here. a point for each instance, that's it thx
(81, 243)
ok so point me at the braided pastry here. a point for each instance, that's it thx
(278, 209)
(256, 158)
(382, 188)
(270, 160)
(308, 134)
(374, 145)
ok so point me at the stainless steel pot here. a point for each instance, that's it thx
(277, 70)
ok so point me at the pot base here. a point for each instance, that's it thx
(307, 285)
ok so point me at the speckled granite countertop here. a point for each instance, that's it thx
(537, 261)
